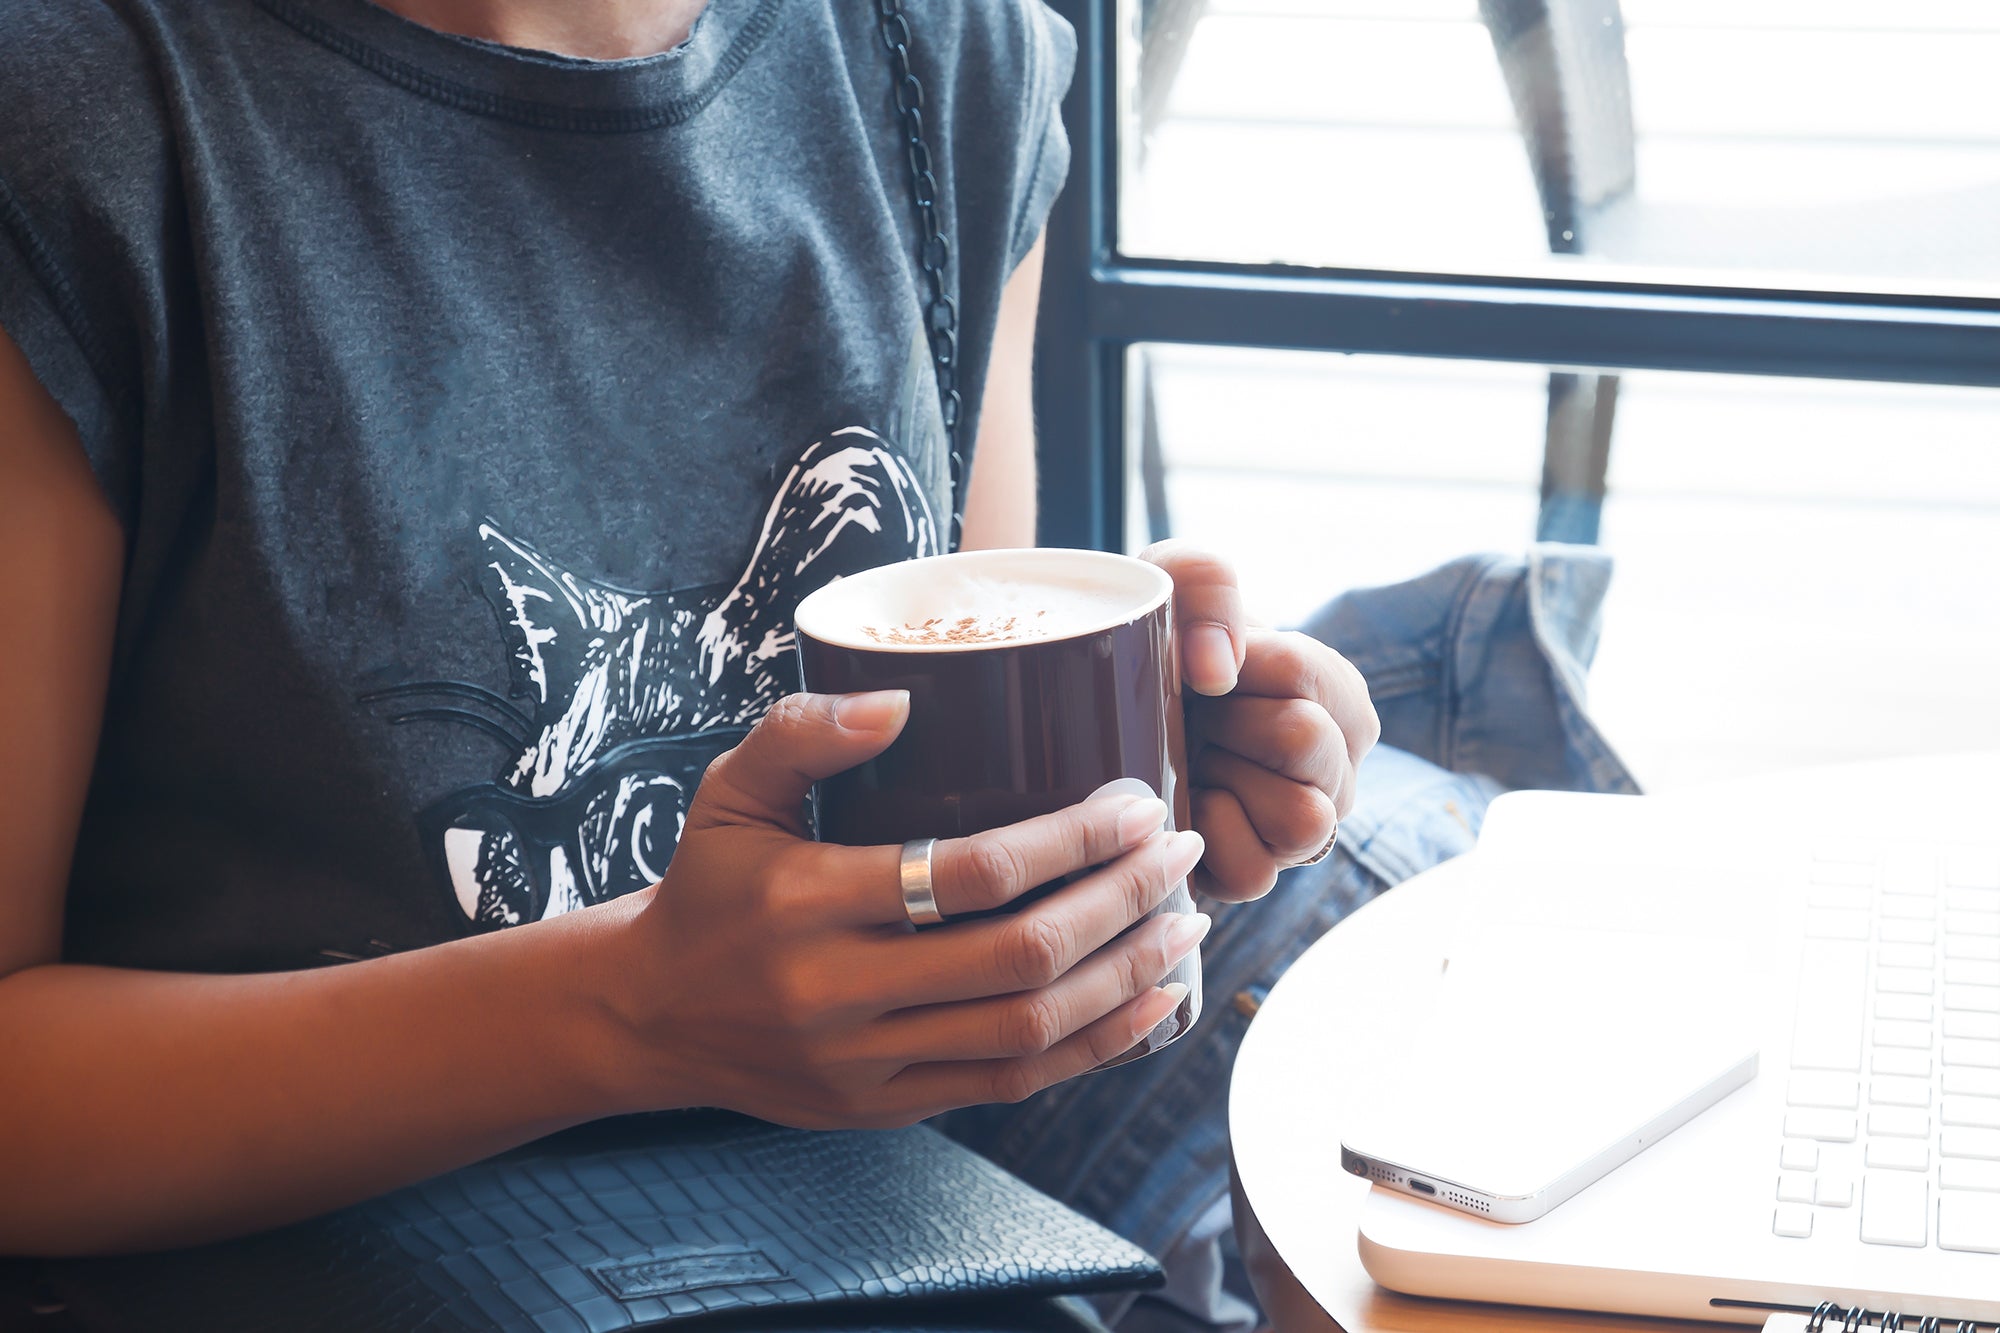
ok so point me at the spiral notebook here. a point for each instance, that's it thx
(1857, 1176)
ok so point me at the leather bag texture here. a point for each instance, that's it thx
(687, 1221)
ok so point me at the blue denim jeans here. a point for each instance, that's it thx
(1477, 671)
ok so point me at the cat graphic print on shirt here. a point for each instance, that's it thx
(626, 696)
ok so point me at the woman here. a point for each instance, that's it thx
(416, 423)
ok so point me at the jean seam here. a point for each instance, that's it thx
(1451, 682)
(1415, 677)
(1608, 771)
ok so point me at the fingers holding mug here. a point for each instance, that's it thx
(1030, 1023)
(927, 1089)
(1291, 820)
(1037, 946)
(991, 870)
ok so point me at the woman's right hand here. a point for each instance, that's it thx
(780, 976)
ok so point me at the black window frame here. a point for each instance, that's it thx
(1096, 303)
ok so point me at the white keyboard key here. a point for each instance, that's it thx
(1966, 1174)
(1798, 1156)
(1794, 1221)
(1969, 1222)
(1985, 1027)
(1826, 1126)
(1909, 870)
(1840, 897)
(1850, 874)
(1906, 909)
(1895, 1209)
(1973, 999)
(1983, 947)
(1834, 1192)
(1795, 1187)
(1904, 980)
(1972, 923)
(1973, 867)
(1832, 1005)
(1915, 1036)
(1832, 924)
(1892, 1060)
(1976, 1054)
(1971, 972)
(1907, 932)
(1899, 1154)
(1972, 1082)
(1972, 900)
(1901, 1122)
(1976, 1112)
(1981, 1143)
(1888, 1090)
(1903, 1008)
(1840, 1091)
(1905, 955)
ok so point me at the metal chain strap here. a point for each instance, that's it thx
(933, 248)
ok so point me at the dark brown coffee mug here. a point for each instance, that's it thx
(1036, 678)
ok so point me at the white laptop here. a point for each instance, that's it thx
(1861, 1166)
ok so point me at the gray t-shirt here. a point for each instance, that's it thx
(476, 418)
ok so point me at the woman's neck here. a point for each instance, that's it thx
(592, 29)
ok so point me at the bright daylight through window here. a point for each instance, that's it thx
(1804, 563)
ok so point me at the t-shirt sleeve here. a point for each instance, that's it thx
(1044, 163)
(1014, 60)
(83, 155)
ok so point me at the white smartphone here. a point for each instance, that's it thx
(1553, 1055)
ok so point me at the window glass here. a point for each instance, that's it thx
(1805, 568)
(1843, 144)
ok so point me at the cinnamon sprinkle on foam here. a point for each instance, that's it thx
(965, 630)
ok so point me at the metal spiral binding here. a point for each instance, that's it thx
(1889, 1321)
(933, 247)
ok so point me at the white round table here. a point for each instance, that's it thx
(1330, 1024)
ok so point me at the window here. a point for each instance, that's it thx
(1717, 285)
(1774, 141)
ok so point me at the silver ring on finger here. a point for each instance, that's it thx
(1325, 851)
(919, 900)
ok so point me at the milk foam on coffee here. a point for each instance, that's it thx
(977, 609)
(982, 599)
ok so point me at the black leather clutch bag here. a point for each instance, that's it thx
(696, 1221)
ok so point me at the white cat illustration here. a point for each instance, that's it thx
(630, 694)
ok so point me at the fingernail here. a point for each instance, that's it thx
(1184, 849)
(1211, 664)
(1186, 932)
(1136, 787)
(1156, 1007)
(1141, 820)
(878, 710)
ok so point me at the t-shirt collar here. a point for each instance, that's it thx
(537, 87)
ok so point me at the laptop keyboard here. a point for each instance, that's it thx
(1892, 1101)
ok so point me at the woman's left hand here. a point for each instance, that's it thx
(1277, 726)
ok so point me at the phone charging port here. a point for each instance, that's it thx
(1422, 1186)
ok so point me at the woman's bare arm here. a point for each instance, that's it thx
(149, 1108)
(138, 1108)
(1000, 502)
